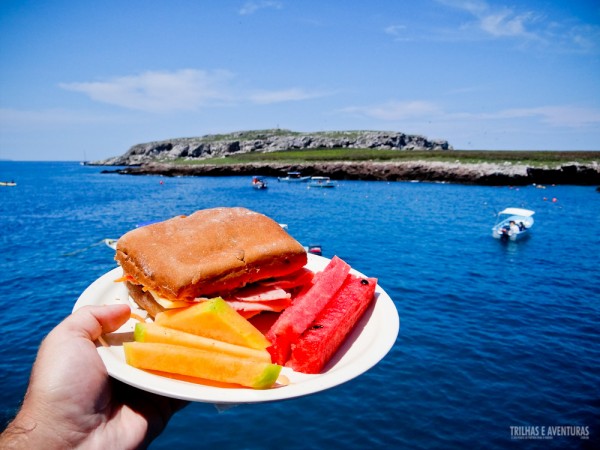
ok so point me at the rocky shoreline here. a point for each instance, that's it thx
(432, 171)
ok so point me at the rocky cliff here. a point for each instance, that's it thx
(482, 174)
(269, 141)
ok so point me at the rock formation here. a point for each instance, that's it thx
(269, 141)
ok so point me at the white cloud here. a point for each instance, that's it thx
(506, 24)
(475, 7)
(556, 116)
(495, 21)
(559, 116)
(251, 7)
(186, 89)
(183, 90)
(563, 34)
(583, 38)
(284, 95)
(395, 30)
(396, 110)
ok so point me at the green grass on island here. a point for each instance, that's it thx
(528, 158)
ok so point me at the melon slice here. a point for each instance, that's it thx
(151, 332)
(214, 319)
(209, 365)
(294, 320)
(322, 339)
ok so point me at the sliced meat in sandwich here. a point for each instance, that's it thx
(209, 253)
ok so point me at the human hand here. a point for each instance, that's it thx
(71, 401)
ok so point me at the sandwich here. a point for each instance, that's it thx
(224, 252)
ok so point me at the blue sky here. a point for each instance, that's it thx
(84, 79)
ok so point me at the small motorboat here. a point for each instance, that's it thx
(112, 243)
(294, 177)
(258, 183)
(8, 183)
(314, 249)
(513, 224)
(321, 182)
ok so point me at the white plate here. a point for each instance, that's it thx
(368, 343)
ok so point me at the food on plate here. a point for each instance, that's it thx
(317, 345)
(208, 340)
(200, 277)
(307, 334)
(208, 365)
(298, 317)
(151, 332)
(209, 253)
(214, 319)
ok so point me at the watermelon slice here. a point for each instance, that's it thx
(322, 339)
(299, 316)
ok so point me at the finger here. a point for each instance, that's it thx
(92, 321)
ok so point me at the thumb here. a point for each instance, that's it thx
(92, 321)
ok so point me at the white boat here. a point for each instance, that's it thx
(112, 243)
(513, 224)
(314, 249)
(321, 182)
(258, 183)
(8, 183)
(294, 177)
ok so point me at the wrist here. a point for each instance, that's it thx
(26, 432)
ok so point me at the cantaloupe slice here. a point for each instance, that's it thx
(151, 332)
(209, 365)
(214, 319)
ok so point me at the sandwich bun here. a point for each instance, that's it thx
(208, 253)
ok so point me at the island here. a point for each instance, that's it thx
(353, 155)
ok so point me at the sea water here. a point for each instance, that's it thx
(499, 341)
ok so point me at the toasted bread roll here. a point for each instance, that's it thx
(210, 252)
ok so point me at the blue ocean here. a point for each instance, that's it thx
(497, 339)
